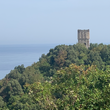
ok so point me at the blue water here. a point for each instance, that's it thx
(14, 55)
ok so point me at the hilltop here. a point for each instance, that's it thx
(16, 86)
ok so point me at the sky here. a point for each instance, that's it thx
(53, 21)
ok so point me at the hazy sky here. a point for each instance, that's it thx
(53, 21)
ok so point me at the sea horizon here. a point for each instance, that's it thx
(18, 54)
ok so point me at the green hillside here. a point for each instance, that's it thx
(67, 78)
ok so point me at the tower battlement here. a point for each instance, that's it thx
(83, 37)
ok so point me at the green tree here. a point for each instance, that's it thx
(20, 68)
(75, 87)
(95, 59)
(2, 104)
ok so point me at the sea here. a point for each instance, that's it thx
(14, 55)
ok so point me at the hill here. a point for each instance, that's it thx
(21, 88)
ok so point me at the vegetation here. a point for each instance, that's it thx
(67, 78)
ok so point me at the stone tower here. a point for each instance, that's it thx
(83, 37)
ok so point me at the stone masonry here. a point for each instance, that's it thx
(83, 37)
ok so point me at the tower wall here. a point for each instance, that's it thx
(83, 37)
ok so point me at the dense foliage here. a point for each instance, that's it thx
(64, 79)
(74, 88)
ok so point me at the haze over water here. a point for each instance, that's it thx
(14, 55)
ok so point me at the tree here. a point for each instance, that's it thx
(60, 58)
(75, 87)
(95, 59)
(20, 68)
(2, 104)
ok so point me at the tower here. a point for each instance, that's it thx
(83, 37)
